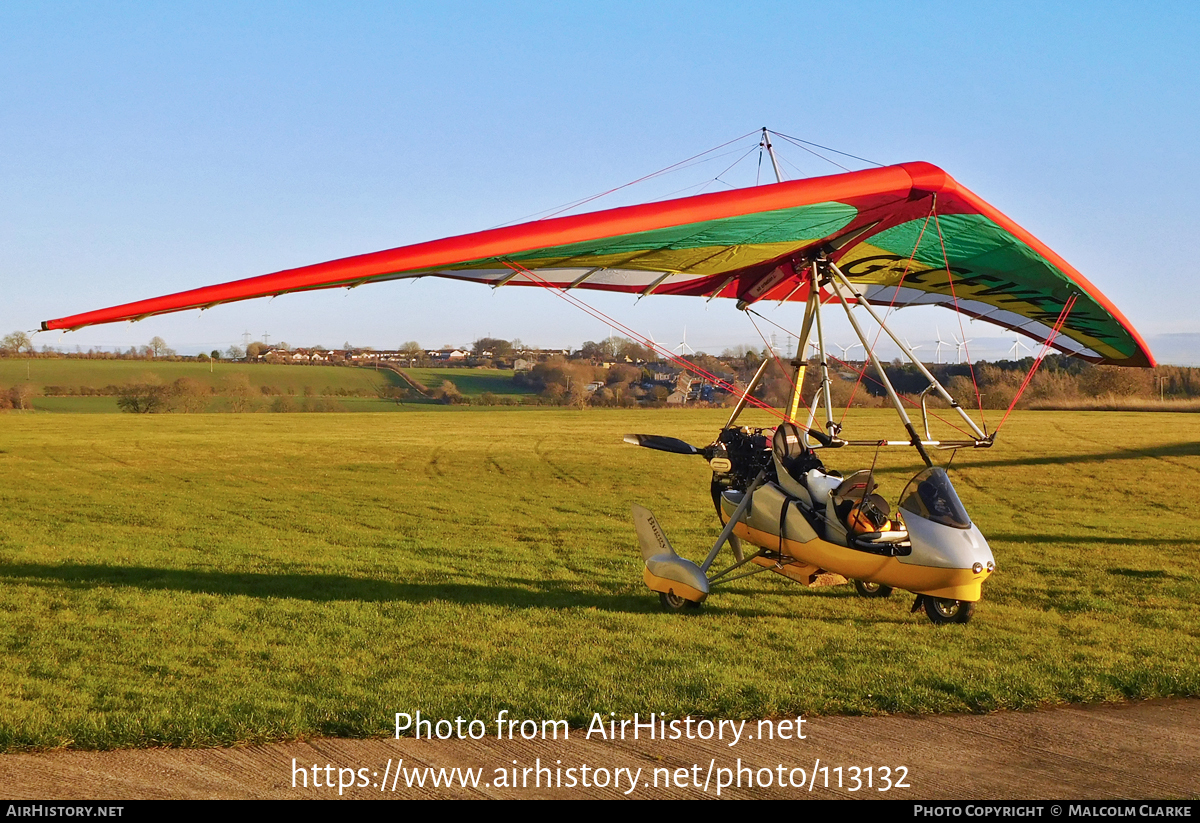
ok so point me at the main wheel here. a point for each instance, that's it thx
(941, 611)
(868, 589)
(674, 603)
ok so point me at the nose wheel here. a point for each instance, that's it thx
(866, 589)
(941, 611)
(674, 603)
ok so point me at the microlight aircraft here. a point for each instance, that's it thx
(894, 236)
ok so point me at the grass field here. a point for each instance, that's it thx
(296, 381)
(472, 382)
(321, 380)
(210, 579)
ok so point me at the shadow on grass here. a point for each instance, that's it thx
(968, 462)
(327, 588)
(1141, 574)
(515, 593)
(1085, 539)
(1166, 450)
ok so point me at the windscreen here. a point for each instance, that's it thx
(930, 495)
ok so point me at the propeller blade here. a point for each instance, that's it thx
(663, 444)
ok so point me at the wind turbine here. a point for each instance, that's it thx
(683, 347)
(911, 347)
(653, 344)
(937, 355)
(1015, 351)
(959, 345)
(845, 349)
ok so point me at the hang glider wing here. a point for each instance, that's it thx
(909, 234)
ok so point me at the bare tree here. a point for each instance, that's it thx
(21, 395)
(240, 393)
(413, 351)
(16, 343)
(188, 395)
(142, 398)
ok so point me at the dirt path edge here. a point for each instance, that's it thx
(1134, 750)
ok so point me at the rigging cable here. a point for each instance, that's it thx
(661, 171)
(680, 361)
(775, 356)
(851, 367)
(798, 141)
(895, 296)
(950, 278)
(1058, 324)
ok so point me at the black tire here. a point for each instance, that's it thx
(868, 589)
(674, 603)
(942, 611)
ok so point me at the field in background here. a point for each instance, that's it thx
(212, 579)
(472, 382)
(355, 389)
(99, 373)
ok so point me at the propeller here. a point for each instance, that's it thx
(663, 444)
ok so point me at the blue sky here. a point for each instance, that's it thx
(150, 148)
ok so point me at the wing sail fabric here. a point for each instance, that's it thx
(904, 224)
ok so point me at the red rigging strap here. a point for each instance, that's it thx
(876, 196)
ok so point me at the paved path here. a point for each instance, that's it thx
(1135, 750)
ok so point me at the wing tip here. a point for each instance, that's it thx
(928, 177)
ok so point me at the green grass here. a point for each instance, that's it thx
(75, 405)
(211, 579)
(73, 372)
(295, 381)
(471, 382)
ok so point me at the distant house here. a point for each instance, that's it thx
(521, 364)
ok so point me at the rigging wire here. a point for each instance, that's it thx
(682, 164)
(731, 165)
(716, 179)
(800, 173)
(870, 379)
(648, 342)
(554, 211)
(774, 355)
(950, 278)
(891, 305)
(672, 167)
(823, 157)
(1046, 346)
(798, 141)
